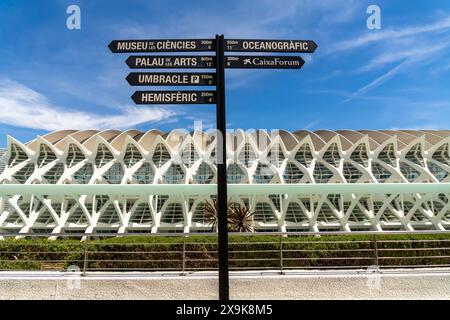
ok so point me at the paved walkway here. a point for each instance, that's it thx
(400, 284)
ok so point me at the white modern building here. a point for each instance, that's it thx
(301, 158)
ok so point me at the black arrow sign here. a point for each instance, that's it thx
(206, 62)
(118, 46)
(174, 97)
(307, 46)
(264, 62)
(161, 62)
(171, 79)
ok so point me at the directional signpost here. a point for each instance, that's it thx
(220, 61)
(171, 62)
(171, 79)
(174, 97)
(122, 46)
(306, 46)
(207, 62)
(264, 62)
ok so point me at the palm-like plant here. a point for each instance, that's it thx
(241, 219)
(212, 214)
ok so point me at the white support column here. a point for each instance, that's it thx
(123, 223)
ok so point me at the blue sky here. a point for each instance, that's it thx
(398, 77)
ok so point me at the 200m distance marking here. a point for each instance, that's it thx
(174, 97)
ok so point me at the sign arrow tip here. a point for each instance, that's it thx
(111, 46)
(302, 62)
(134, 97)
(128, 78)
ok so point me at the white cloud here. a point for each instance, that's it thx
(408, 58)
(378, 81)
(311, 124)
(245, 18)
(398, 55)
(422, 115)
(331, 75)
(21, 106)
(408, 47)
(441, 25)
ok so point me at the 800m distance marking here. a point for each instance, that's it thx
(161, 62)
(174, 97)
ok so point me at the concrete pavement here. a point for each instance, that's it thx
(349, 284)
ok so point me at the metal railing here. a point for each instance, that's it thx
(247, 251)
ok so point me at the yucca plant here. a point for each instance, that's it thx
(241, 219)
(211, 214)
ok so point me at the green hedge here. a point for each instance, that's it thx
(246, 252)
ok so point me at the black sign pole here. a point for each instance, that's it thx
(209, 97)
(222, 201)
